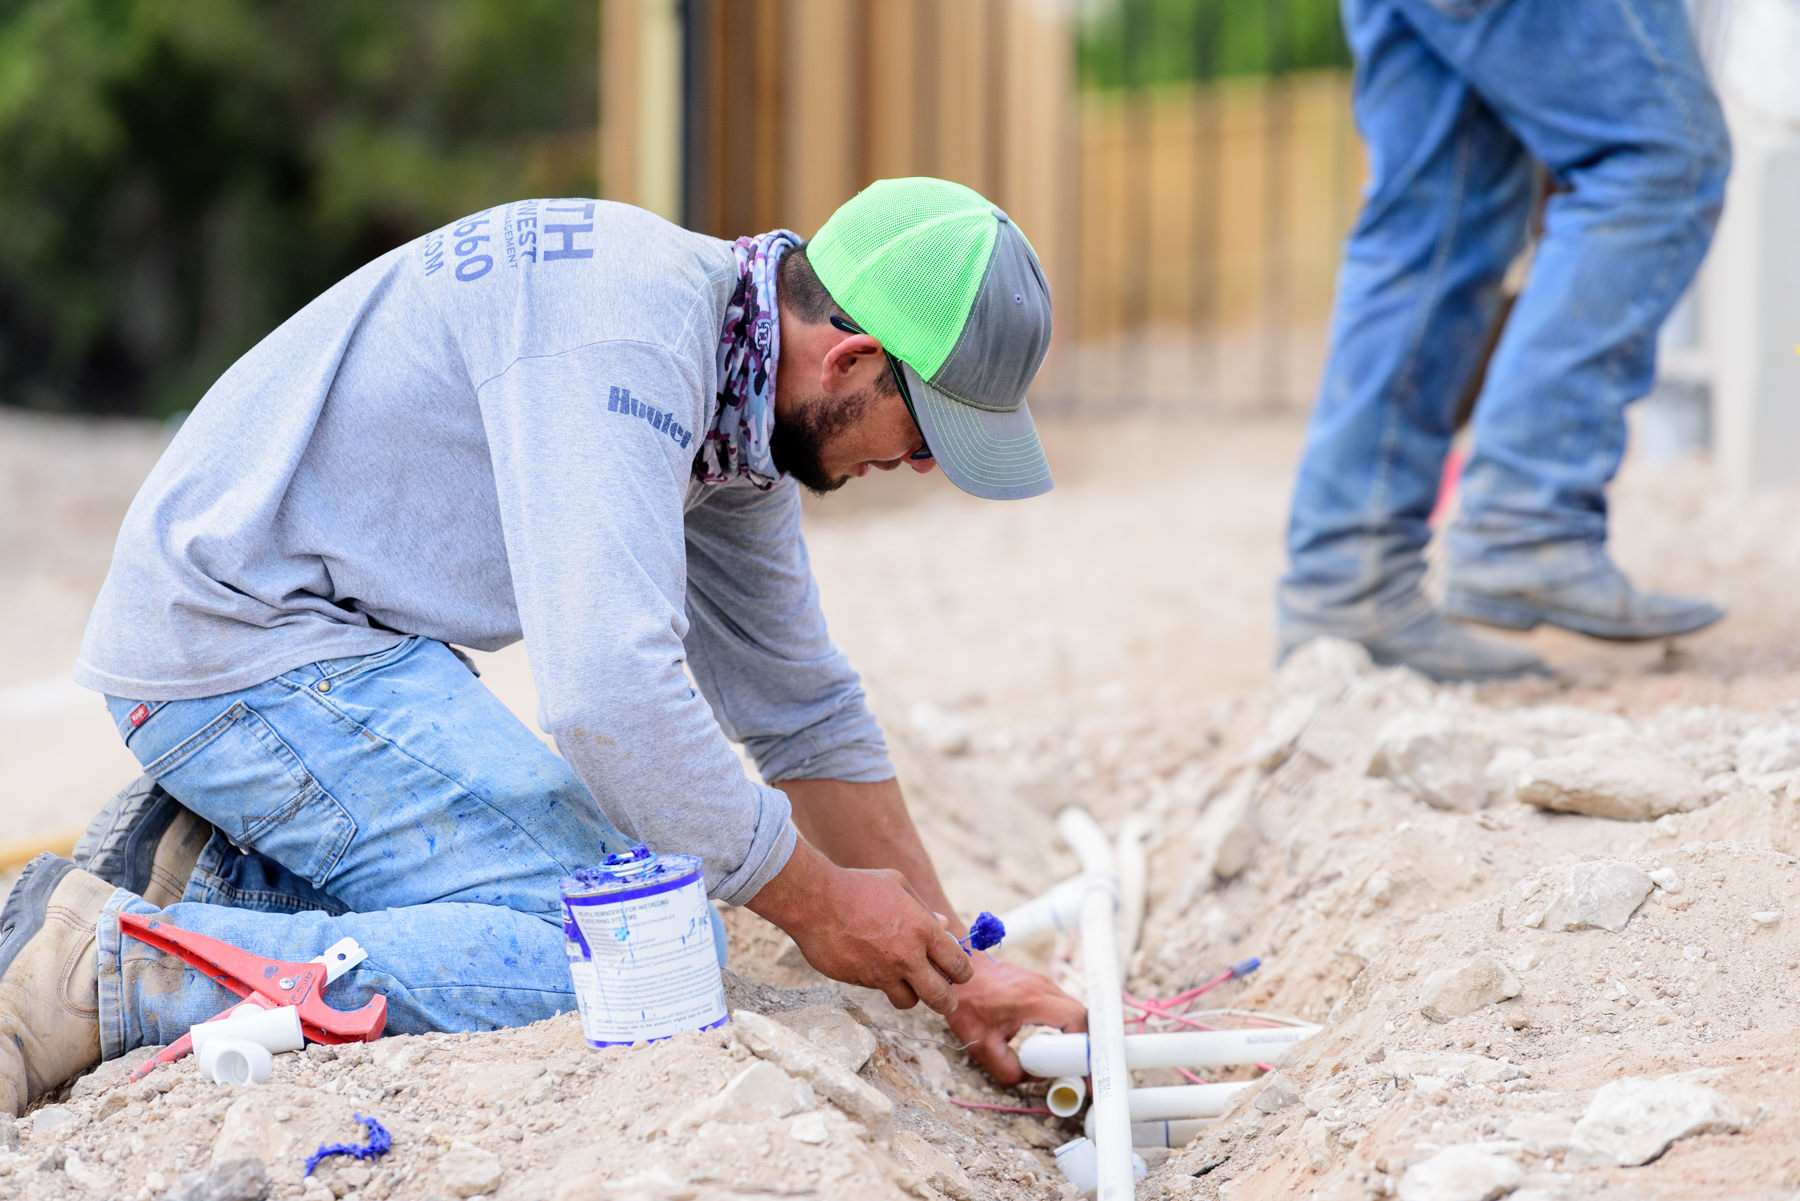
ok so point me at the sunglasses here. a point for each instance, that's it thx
(924, 451)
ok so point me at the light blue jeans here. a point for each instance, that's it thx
(391, 799)
(1455, 99)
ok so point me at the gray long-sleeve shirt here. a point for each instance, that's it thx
(487, 435)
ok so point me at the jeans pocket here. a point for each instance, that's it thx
(237, 773)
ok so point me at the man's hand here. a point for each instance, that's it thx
(866, 927)
(1000, 1000)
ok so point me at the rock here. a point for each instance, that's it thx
(1465, 1173)
(1541, 1133)
(1632, 1121)
(241, 1179)
(9, 1133)
(1608, 776)
(1478, 1068)
(250, 1128)
(652, 1184)
(51, 1118)
(1766, 917)
(355, 1175)
(1769, 750)
(809, 1128)
(924, 1164)
(843, 1038)
(466, 1169)
(1600, 895)
(112, 1072)
(1666, 879)
(1455, 992)
(1275, 742)
(1322, 667)
(1436, 758)
(110, 1104)
(90, 1176)
(758, 1093)
(1224, 840)
(1276, 1095)
(771, 1040)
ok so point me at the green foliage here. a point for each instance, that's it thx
(178, 176)
(1136, 43)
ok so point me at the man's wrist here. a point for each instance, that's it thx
(794, 892)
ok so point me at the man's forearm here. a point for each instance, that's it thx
(867, 826)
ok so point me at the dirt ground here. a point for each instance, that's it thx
(1107, 645)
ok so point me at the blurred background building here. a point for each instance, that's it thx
(176, 178)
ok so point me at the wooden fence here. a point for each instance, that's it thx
(1189, 232)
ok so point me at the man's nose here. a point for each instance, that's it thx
(921, 465)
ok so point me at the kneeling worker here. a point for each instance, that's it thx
(570, 422)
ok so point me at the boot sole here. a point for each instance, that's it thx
(120, 844)
(28, 905)
(1507, 613)
(1527, 671)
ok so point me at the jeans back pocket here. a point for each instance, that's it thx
(236, 772)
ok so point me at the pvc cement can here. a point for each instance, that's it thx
(640, 942)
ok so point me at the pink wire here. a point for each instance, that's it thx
(999, 1108)
(1190, 1076)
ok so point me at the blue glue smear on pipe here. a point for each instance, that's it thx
(380, 1142)
(986, 931)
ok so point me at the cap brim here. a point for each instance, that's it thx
(986, 453)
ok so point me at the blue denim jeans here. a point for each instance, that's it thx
(390, 798)
(1455, 99)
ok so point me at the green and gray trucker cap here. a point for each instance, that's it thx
(954, 292)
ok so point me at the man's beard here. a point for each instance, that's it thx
(798, 442)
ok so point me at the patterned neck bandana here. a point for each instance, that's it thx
(737, 444)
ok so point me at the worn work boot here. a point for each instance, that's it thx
(1601, 604)
(49, 979)
(144, 841)
(1446, 652)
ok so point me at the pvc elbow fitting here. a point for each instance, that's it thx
(240, 1047)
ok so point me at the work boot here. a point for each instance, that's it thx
(144, 841)
(1444, 651)
(1600, 603)
(49, 979)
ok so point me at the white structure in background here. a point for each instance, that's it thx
(1749, 291)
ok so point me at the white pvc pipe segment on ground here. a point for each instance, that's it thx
(1176, 1133)
(1068, 1054)
(1184, 1101)
(1134, 874)
(1105, 1065)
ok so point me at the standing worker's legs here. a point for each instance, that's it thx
(1613, 99)
(1444, 214)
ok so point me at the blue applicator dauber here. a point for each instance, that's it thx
(984, 932)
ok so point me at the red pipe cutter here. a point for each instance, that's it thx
(264, 983)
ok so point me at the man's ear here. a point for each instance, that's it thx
(847, 361)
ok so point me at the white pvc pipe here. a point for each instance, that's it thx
(1106, 1014)
(1058, 909)
(1066, 1095)
(1177, 1133)
(276, 1029)
(1134, 871)
(1184, 1101)
(1068, 1054)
